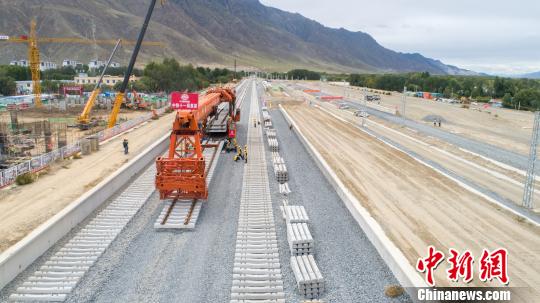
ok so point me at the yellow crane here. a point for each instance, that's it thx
(122, 91)
(84, 119)
(33, 52)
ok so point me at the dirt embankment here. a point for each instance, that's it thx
(417, 206)
(23, 208)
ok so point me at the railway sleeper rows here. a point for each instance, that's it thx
(256, 272)
(57, 277)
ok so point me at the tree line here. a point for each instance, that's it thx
(165, 76)
(169, 75)
(515, 93)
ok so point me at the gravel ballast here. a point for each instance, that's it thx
(352, 268)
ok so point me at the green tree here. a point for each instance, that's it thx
(17, 73)
(507, 101)
(528, 99)
(501, 86)
(49, 86)
(8, 86)
(304, 74)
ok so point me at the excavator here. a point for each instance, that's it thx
(137, 102)
(181, 175)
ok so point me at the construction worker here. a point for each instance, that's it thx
(439, 122)
(239, 154)
(126, 147)
(245, 153)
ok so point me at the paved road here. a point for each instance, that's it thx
(502, 155)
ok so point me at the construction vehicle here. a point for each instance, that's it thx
(33, 52)
(119, 99)
(136, 102)
(83, 121)
(182, 175)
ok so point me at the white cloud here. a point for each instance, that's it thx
(495, 36)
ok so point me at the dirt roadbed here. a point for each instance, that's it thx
(23, 208)
(418, 207)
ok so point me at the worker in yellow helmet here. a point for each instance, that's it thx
(239, 154)
(245, 153)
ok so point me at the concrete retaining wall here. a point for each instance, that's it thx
(394, 258)
(18, 257)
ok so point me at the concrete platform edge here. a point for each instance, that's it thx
(17, 258)
(393, 257)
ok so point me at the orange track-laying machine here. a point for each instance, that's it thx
(182, 174)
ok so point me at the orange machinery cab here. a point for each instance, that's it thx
(182, 174)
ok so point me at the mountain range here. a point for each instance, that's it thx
(535, 75)
(205, 32)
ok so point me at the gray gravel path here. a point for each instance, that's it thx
(351, 266)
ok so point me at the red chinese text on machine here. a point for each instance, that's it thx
(184, 101)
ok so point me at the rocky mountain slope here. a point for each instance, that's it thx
(205, 32)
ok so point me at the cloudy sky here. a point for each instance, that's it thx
(493, 36)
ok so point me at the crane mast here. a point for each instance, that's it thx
(34, 58)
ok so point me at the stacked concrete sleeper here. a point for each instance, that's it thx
(309, 279)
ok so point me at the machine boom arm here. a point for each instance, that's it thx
(84, 118)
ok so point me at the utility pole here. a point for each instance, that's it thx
(528, 192)
(403, 103)
(235, 69)
(365, 97)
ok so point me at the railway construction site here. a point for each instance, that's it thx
(323, 206)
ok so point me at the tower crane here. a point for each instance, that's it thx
(181, 175)
(33, 52)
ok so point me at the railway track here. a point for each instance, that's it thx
(218, 260)
(257, 269)
(183, 214)
(57, 277)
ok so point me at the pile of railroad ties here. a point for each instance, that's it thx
(309, 279)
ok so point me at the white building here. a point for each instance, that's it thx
(107, 80)
(95, 64)
(43, 65)
(72, 63)
(23, 63)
